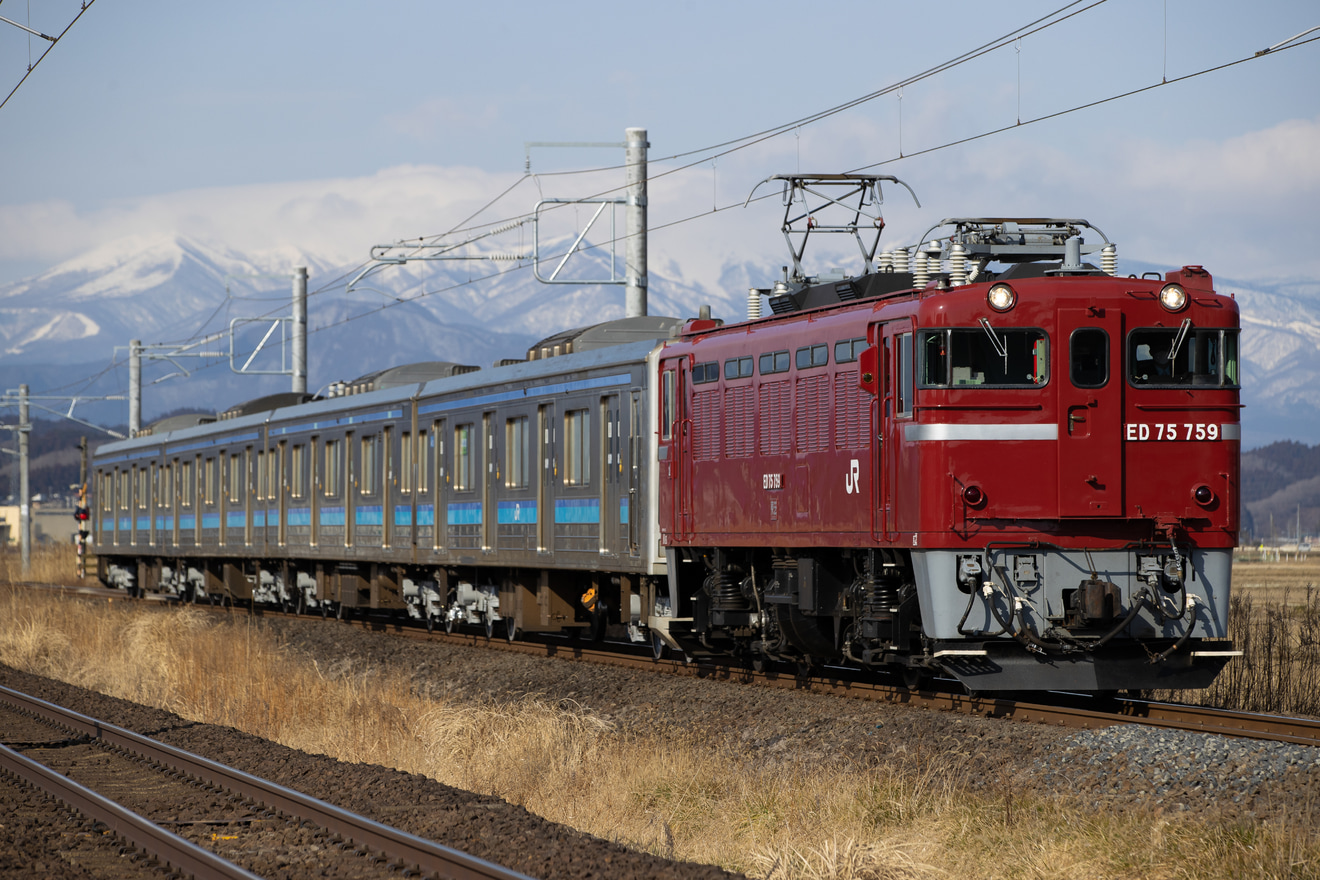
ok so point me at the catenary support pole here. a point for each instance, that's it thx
(134, 387)
(24, 488)
(635, 226)
(300, 330)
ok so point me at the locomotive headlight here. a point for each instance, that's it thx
(1173, 297)
(1001, 297)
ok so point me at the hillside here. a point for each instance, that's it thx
(1280, 480)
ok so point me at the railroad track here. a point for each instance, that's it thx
(1066, 711)
(191, 797)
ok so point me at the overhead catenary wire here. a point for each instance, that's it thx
(54, 41)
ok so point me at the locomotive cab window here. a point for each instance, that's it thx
(1088, 357)
(1181, 356)
(1002, 357)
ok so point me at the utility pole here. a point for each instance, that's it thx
(24, 489)
(635, 225)
(300, 330)
(81, 514)
(134, 387)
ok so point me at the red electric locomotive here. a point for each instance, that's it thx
(993, 460)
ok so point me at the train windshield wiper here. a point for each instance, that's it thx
(1177, 340)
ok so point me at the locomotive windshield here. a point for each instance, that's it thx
(981, 356)
(1176, 356)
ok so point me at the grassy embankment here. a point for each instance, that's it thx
(673, 795)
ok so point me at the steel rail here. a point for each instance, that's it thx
(176, 852)
(1172, 716)
(426, 855)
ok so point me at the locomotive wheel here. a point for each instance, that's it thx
(510, 629)
(449, 624)
(759, 663)
(657, 645)
(490, 626)
(914, 679)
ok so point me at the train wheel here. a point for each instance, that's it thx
(490, 626)
(449, 624)
(325, 609)
(430, 623)
(510, 629)
(759, 663)
(657, 645)
(914, 679)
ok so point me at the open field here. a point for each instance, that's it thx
(1275, 581)
(671, 794)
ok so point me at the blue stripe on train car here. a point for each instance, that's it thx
(369, 515)
(516, 512)
(426, 514)
(124, 523)
(332, 516)
(107, 523)
(164, 523)
(235, 519)
(258, 519)
(188, 521)
(300, 516)
(465, 513)
(577, 510)
(623, 511)
(210, 520)
(402, 515)
(144, 522)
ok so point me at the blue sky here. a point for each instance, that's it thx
(324, 128)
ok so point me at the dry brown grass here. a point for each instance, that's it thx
(1270, 581)
(50, 564)
(673, 797)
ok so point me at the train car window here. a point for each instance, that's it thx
(1013, 357)
(425, 449)
(904, 354)
(144, 488)
(333, 463)
(667, 405)
(209, 487)
(738, 368)
(773, 362)
(405, 462)
(847, 350)
(297, 472)
(812, 356)
(1088, 357)
(1181, 356)
(186, 483)
(167, 486)
(261, 475)
(515, 453)
(235, 478)
(462, 458)
(370, 464)
(577, 437)
(707, 372)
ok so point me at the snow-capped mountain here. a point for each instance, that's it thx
(59, 328)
